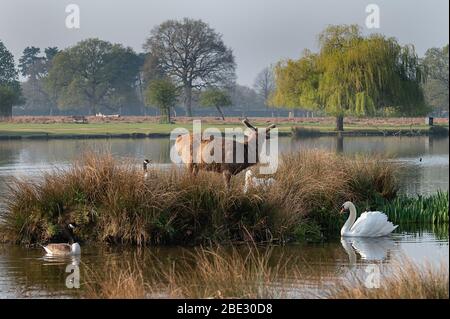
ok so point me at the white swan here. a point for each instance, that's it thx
(369, 224)
(251, 181)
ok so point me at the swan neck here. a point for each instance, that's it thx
(351, 219)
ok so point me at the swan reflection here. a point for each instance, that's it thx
(370, 249)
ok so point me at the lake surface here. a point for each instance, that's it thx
(25, 272)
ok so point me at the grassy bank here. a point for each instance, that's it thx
(112, 202)
(384, 130)
(106, 129)
(129, 127)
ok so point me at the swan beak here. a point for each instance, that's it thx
(342, 210)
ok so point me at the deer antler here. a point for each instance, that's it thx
(247, 123)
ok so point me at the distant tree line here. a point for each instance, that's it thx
(186, 63)
(436, 88)
(10, 90)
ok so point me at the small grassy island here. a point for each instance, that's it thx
(113, 202)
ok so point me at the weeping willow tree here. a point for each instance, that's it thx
(352, 75)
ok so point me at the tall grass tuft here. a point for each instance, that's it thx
(116, 282)
(407, 281)
(112, 201)
(214, 272)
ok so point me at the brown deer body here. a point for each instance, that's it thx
(184, 147)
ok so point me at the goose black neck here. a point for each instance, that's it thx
(69, 235)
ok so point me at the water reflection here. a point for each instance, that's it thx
(27, 272)
(339, 144)
(369, 249)
(61, 260)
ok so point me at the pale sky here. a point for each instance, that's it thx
(260, 32)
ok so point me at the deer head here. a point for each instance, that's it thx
(254, 130)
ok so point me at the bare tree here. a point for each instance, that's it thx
(192, 54)
(265, 84)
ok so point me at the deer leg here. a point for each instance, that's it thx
(194, 169)
(226, 178)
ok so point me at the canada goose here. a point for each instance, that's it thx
(369, 224)
(64, 249)
(251, 181)
(145, 167)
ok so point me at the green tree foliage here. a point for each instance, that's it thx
(30, 64)
(94, 74)
(217, 98)
(10, 92)
(436, 65)
(35, 68)
(162, 93)
(192, 54)
(352, 75)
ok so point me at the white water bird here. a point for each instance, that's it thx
(251, 181)
(64, 249)
(145, 167)
(369, 224)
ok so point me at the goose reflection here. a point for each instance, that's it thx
(62, 260)
(370, 249)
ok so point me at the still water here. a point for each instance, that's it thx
(25, 272)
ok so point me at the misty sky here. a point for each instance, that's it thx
(260, 32)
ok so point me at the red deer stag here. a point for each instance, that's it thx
(229, 163)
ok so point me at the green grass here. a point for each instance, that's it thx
(420, 210)
(25, 129)
(114, 128)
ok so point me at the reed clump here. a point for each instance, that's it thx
(111, 201)
(432, 209)
(116, 282)
(407, 281)
(213, 272)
